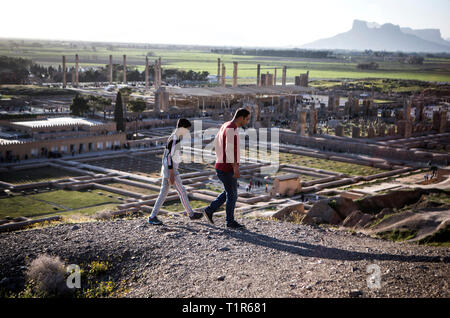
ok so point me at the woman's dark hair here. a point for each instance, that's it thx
(183, 122)
(241, 112)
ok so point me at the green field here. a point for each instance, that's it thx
(57, 202)
(433, 69)
(36, 175)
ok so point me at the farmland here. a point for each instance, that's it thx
(201, 59)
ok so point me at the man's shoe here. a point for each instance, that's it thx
(154, 221)
(196, 216)
(235, 225)
(208, 216)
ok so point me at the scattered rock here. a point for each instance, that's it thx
(221, 278)
(223, 249)
(289, 213)
(75, 227)
(321, 212)
(345, 206)
(355, 293)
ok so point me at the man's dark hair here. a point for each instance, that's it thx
(241, 112)
(183, 122)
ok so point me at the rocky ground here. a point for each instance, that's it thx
(270, 259)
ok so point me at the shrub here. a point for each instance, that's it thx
(46, 274)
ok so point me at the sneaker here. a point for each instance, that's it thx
(196, 216)
(208, 216)
(154, 221)
(235, 225)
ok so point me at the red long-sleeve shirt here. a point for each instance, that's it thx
(227, 147)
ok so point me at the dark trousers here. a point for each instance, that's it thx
(229, 195)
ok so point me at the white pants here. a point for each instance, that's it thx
(163, 194)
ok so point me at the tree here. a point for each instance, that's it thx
(79, 106)
(118, 113)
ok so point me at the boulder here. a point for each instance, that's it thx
(345, 206)
(289, 213)
(365, 219)
(321, 212)
(395, 199)
(352, 219)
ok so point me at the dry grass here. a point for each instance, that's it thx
(46, 274)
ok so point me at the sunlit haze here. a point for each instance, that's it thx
(281, 23)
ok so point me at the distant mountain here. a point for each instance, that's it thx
(386, 37)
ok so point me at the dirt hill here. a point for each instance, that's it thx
(194, 259)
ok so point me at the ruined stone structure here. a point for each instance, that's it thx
(76, 70)
(218, 72)
(235, 70)
(266, 79)
(302, 80)
(301, 126)
(312, 122)
(161, 100)
(339, 131)
(64, 71)
(404, 128)
(158, 73)
(223, 75)
(146, 73)
(124, 69)
(333, 103)
(440, 121)
(258, 75)
(275, 77)
(356, 132)
(283, 78)
(110, 70)
(289, 184)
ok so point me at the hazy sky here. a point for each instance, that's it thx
(210, 22)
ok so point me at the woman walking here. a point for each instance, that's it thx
(170, 175)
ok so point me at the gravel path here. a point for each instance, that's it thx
(270, 259)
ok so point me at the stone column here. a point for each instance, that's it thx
(110, 70)
(64, 71)
(159, 72)
(339, 131)
(404, 128)
(275, 77)
(218, 72)
(407, 110)
(420, 116)
(146, 72)
(155, 81)
(223, 75)
(124, 69)
(76, 70)
(313, 122)
(258, 75)
(283, 78)
(356, 132)
(235, 70)
(440, 121)
(301, 128)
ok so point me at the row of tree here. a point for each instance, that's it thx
(18, 70)
(282, 53)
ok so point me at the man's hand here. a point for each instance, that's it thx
(171, 177)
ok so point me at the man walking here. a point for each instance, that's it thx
(227, 167)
